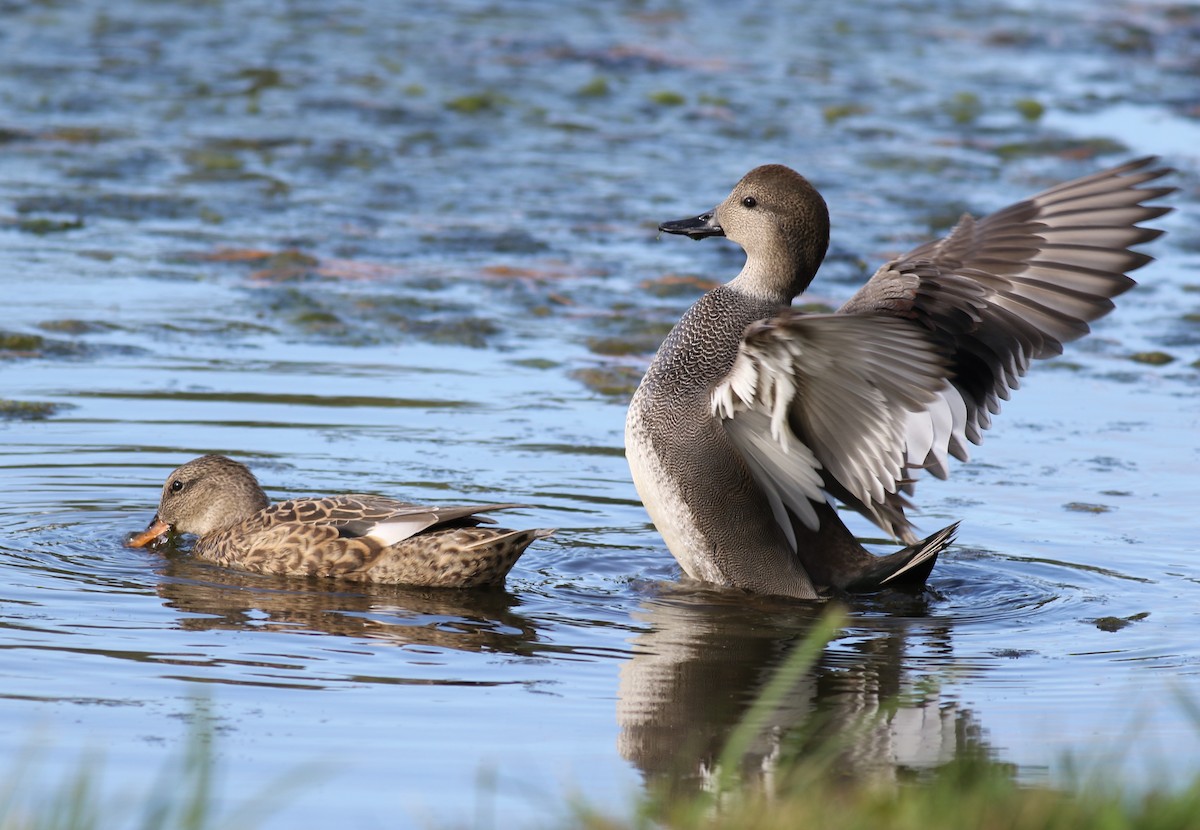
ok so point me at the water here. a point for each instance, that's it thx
(410, 249)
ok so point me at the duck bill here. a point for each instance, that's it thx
(697, 227)
(157, 529)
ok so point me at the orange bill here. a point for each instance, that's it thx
(157, 528)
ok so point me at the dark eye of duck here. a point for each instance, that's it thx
(749, 201)
(176, 485)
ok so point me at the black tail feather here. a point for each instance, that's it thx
(906, 569)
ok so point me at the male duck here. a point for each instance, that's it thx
(354, 537)
(754, 417)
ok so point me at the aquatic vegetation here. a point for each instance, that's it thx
(477, 102)
(17, 344)
(834, 113)
(678, 285)
(133, 207)
(30, 410)
(1084, 507)
(210, 161)
(597, 87)
(977, 793)
(74, 326)
(1030, 109)
(1152, 358)
(963, 107)
(613, 380)
(1058, 146)
(667, 98)
(42, 226)
(1117, 623)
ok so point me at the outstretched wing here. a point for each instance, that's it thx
(814, 398)
(1001, 291)
(926, 350)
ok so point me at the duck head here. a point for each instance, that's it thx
(782, 224)
(206, 494)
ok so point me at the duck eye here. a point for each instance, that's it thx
(176, 485)
(749, 201)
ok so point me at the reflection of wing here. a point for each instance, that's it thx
(845, 386)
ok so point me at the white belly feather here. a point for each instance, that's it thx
(665, 504)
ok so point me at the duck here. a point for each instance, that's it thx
(356, 537)
(755, 420)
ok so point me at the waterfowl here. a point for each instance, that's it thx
(355, 537)
(753, 418)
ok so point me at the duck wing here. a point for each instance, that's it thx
(818, 405)
(378, 519)
(980, 305)
(332, 535)
(1012, 287)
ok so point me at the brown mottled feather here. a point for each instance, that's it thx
(220, 501)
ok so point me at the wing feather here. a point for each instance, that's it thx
(835, 394)
(915, 364)
(1012, 287)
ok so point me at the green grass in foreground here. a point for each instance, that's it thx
(181, 800)
(964, 796)
(181, 797)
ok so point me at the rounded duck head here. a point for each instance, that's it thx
(782, 223)
(210, 493)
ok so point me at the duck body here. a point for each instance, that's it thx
(357, 537)
(684, 466)
(753, 419)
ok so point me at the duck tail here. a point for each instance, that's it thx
(907, 568)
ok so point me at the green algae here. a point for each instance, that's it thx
(963, 107)
(30, 410)
(667, 98)
(612, 381)
(18, 343)
(1030, 109)
(1085, 507)
(1152, 358)
(1058, 146)
(42, 226)
(1117, 623)
(834, 113)
(597, 87)
(478, 102)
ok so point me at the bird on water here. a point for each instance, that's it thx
(754, 419)
(361, 538)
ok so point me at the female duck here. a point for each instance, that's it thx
(355, 537)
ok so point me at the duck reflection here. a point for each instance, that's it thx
(467, 620)
(706, 656)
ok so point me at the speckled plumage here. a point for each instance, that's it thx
(355, 537)
(753, 416)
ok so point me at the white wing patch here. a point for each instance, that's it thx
(863, 397)
(391, 531)
(930, 435)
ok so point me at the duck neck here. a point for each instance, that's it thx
(767, 281)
